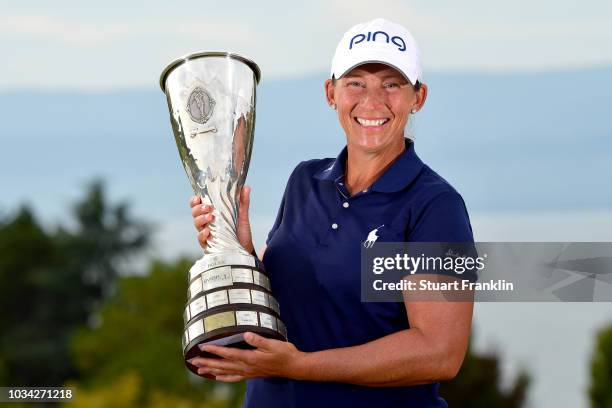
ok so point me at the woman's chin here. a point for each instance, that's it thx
(372, 142)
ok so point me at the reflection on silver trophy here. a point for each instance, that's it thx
(211, 98)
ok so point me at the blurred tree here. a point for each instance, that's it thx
(140, 337)
(51, 282)
(600, 390)
(478, 385)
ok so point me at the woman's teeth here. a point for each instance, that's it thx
(376, 122)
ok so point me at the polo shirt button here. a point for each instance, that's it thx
(365, 191)
(345, 205)
(334, 226)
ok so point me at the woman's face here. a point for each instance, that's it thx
(373, 103)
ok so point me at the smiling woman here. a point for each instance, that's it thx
(342, 351)
(373, 102)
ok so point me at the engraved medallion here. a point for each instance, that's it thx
(200, 105)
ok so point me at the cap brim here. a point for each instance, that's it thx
(359, 61)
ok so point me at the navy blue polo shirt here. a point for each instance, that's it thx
(313, 260)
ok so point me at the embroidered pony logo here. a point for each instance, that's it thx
(372, 237)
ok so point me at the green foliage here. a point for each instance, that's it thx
(51, 282)
(478, 385)
(25, 251)
(139, 338)
(600, 390)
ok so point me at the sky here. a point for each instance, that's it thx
(119, 44)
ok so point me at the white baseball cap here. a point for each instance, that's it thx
(380, 41)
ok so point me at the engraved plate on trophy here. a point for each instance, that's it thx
(267, 321)
(259, 298)
(239, 296)
(242, 275)
(219, 320)
(246, 318)
(197, 306)
(216, 278)
(211, 99)
(218, 298)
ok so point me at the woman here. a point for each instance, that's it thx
(343, 351)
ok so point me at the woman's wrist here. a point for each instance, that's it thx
(301, 369)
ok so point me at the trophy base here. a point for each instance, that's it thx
(227, 338)
(229, 294)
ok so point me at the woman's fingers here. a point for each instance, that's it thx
(194, 200)
(202, 215)
(202, 221)
(201, 209)
(245, 200)
(203, 237)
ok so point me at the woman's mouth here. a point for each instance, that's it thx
(371, 122)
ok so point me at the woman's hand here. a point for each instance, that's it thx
(271, 358)
(203, 214)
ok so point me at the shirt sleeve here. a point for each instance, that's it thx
(443, 219)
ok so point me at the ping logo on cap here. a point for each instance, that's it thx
(371, 36)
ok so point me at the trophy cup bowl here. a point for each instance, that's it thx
(211, 98)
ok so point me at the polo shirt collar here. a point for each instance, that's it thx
(397, 177)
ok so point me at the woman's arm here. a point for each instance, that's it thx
(432, 349)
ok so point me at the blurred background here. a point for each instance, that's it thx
(95, 229)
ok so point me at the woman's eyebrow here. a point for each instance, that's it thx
(353, 75)
(394, 76)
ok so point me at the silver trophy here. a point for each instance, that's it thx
(211, 98)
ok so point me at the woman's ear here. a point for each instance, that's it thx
(421, 96)
(329, 93)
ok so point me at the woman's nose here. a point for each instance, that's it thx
(374, 98)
